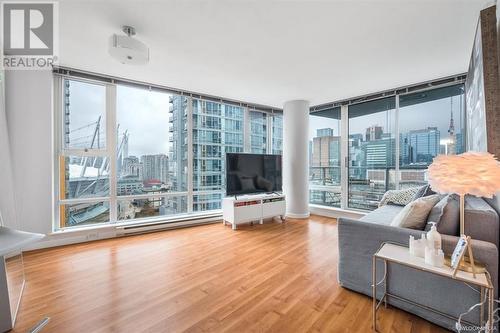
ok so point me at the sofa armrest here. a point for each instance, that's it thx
(359, 240)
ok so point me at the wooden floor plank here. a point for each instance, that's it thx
(261, 278)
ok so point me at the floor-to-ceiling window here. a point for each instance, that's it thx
(258, 132)
(430, 123)
(217, 129)
(150, 161)
(83, 161)
(389, 143)
(325, 158)
(277, 132)
(130, 152)
(371, 152)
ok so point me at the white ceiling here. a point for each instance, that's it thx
(269, 52)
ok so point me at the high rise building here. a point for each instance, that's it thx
(132, 167)
(460, 144)
(178, 143)
(355, 140)
(325, 158)
(404, 149)
(325, 166)
(324, 132)
(155, 167)
(374, 133)
(326, 151)
(277, 143)
(258, 132)
(419, 146)
(379, 153)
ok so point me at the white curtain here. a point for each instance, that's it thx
(7, 196)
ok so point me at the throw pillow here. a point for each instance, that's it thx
(423, 192)
(398, 197)
(446, 214)
(414, 215)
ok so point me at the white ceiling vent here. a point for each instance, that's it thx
(127, 49)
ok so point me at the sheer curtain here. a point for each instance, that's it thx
(7, 201)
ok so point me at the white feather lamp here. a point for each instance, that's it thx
(468, 173)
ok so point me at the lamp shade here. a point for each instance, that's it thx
(468, 173)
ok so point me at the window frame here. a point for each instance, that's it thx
(109, 152)
(61, 151)
(344, 130)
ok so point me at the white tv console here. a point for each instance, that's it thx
(249, 208)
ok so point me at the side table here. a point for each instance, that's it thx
(392, 253)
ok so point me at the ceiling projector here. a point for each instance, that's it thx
(127, 49)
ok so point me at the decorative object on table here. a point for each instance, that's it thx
(471, 173)
(434, 255)
(417, 246)
(428, 247)
(458, 254)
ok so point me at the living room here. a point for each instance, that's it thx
(255, 166)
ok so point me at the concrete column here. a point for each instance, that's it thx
(296, 158)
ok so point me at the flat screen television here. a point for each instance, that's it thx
(253, 173)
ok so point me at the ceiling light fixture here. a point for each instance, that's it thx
(127, 49)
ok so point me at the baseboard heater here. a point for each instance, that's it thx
(184, 222)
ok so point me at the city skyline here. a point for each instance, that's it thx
(327, 134)
(435, 113)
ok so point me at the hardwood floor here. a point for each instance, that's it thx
(261, 278)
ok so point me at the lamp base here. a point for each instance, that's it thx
(466, 266)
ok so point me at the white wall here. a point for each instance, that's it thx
(7, 201)
(28, 105)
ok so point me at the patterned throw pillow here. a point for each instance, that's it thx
(399, 197)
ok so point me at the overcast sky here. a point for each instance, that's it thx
(86, 102)
(144, 114)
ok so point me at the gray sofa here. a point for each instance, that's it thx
(360, 239)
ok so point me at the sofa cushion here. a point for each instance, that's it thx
(494, 202)
(414, 215)
(383, 215)
(481, 220)
(446, 214)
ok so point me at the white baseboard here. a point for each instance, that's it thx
(88, 234)
(298, 216)
(61, 239)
